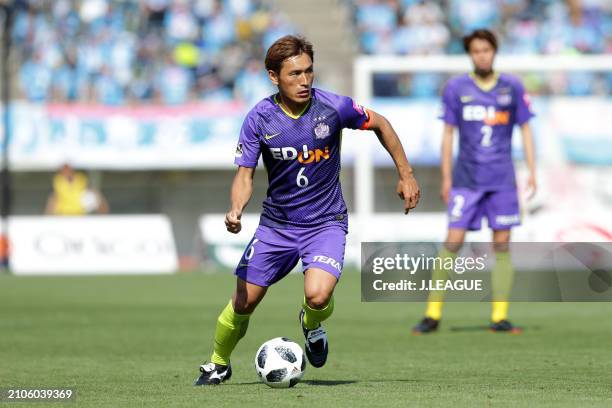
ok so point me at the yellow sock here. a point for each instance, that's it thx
(231, 327)
(436, 298)
(434, 310)
(502, 276)
(500, 311)
(314, 317)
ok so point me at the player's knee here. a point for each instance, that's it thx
(243, 306)
(501, 247)
(501, 241)
(453, 247)
(243, 303)
(317, 300)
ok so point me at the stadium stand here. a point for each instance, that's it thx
(424, 27)
(116, 52)
(153, 51)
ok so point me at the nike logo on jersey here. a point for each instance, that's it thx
(467, 98)
(268, 137)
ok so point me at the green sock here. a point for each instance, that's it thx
(231, 327)
(436, 298)
(313, 317)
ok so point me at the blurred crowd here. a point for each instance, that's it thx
(525, 26)
(528, 27)
(118, 52)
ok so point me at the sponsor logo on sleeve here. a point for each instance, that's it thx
(358, 108)
(239, 150)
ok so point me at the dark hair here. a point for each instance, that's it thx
(286, 47)
(482, 34)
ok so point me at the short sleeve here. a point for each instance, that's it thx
(450, 107)
(353, 115)
(248, 148)
(523, 104)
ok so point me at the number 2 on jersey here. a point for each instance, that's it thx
(458, 202)
(487, 133)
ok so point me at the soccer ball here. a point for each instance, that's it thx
(280, 363)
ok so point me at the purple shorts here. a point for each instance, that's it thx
(274, 252)
(467, 207)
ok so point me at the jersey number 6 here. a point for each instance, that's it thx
(301, 180)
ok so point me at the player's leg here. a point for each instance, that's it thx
(317, 307)
(231, 326)
(502, 277)
(433, 313)
(268, 258)
(233, 321)
(464, 212)
(318, 300)
(322, 256)
(502, 214)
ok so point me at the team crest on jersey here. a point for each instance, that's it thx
(238, 150)
(321, 131)
(504, 100)
(504, 97)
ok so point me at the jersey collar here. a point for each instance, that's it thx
(486, 88)
(292, 116)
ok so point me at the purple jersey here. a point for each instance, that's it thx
(485, 120)
(302, 157)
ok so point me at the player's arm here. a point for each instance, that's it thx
(529, 151)
(242, 189)
(446, 163)
(407, 186)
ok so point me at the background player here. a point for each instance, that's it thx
(484, 106)
(304, 215)
(72, 195)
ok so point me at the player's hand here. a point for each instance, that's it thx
(408, 190)
(532, 186)
(232, 221)
(445, 189)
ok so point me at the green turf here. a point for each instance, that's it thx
(137, 342)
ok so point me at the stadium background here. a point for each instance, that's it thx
(147, 97)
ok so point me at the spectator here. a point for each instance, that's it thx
(72, 196)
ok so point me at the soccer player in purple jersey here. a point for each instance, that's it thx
(484, 106)
(304, 217)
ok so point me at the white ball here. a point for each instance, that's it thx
(280, 363)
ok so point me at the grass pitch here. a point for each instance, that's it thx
(137, 342)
